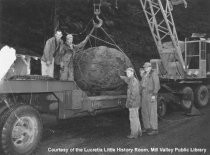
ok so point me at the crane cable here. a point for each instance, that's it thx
(116, 4)
(113, 44)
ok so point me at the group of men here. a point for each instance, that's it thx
(142, 95)
(57, 62)
(57, 59)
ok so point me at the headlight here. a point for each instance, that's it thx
(196, 72)
(189, 73)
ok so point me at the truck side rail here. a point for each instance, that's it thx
(35, 86)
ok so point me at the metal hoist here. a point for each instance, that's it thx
(161, 23)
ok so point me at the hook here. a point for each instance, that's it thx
(99, 24)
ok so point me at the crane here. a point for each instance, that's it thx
(162, 27)
(183, 66)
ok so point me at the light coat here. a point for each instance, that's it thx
(51, 49)
(133, 92)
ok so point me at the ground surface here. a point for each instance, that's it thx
(109, 131)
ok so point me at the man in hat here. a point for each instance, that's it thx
(133, 102)
(150, 86)
(51, 50)
(68, 51)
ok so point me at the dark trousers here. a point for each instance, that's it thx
(56, 72)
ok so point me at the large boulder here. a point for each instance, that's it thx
(98, 69)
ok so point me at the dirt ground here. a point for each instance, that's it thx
(106, 133)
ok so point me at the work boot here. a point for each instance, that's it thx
(132, 137)
(153, 132)
(145, 130)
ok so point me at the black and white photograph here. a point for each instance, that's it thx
(104, 77)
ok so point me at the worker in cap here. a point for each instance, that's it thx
(66, 63)
(133, 102)
(150, 86)
(147, 65)
(129, 69)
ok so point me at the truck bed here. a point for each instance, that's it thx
(34, 84)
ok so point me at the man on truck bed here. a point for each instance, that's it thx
(51, 49)
(68, 51)
(133, 102)
(150, 86)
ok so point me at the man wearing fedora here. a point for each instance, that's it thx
(133, 102)
(150, 86)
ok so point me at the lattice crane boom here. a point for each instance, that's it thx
(161, 23)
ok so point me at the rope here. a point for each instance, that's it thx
(90, 43)
(112, 40)
(84, 30)
(115, 44)
(95, 35)
(102, 40)
(116, 4)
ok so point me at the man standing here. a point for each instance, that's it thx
(133, 102)
(150, 86)
(51, 49)
(68, 51)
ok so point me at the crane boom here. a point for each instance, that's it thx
(161, 23)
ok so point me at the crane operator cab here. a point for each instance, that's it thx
(196, 55)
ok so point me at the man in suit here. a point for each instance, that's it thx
(51, 50)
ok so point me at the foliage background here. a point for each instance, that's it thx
(29, 23)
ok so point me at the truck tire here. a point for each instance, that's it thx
(201, 96)
(162, 106)
(187, 99)
(21, 130)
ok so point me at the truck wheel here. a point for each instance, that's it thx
(187, 99)
(201, 96)
(21, 130)
(162, 106)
